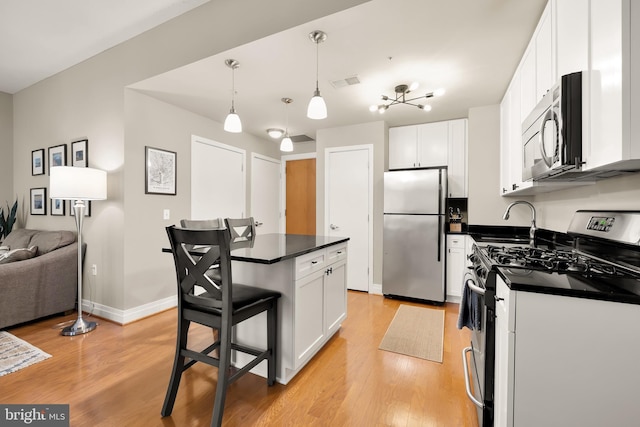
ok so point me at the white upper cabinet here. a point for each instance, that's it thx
(432, 145)
(457, 159)
(613, 86)
(571, 23)
(403, 147)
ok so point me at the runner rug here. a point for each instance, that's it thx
(416, 331)
(16, 354)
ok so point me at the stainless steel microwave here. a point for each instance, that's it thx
(552, 133)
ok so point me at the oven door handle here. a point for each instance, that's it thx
(467, 381)
(471, 283)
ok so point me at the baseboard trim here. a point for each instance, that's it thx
(123, 317)
(376, 289)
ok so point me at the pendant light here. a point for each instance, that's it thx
(286, 144)
(317, 108)
(232, 123)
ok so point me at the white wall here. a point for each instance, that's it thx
(88, 101)
(6, 151)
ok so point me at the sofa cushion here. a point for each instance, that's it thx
(47, 241)
(18, 254)
(19, 238)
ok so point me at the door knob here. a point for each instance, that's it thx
(333, 227)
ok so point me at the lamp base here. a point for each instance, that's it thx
(79, 327)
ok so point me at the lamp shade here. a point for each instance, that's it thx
(286, 144)
(73, 183)
(317, 109)
(232, 123)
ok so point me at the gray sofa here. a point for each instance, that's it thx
(42, 280)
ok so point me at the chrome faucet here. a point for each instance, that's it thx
(532, 229)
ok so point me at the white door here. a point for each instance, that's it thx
(217, 180)
(265, 193)
(348, 196)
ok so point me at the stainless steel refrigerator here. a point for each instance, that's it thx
(413, 238)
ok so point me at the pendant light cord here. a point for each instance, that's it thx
(233, 88)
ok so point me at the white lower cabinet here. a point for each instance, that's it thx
(312, 307)
(565, 361)
(456, 265)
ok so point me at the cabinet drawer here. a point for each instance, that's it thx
(458, 242)
(309, 263)
(336, 253)
(506, 303)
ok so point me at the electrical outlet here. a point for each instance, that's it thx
(166, 214)
(94, 270)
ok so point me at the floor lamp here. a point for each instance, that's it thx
(78, 184)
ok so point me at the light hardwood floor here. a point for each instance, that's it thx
(117, 376)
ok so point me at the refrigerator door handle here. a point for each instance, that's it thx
(439, 236)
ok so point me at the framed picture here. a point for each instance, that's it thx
(87, 208)
(160, 171)
(38, 201)
(57, 156)
(37, 162)
(80, 153)
(57, 206)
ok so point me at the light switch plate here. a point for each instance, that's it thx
(166, 214)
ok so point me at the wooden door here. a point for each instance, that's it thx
(301, 196)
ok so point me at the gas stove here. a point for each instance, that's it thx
(603, 261)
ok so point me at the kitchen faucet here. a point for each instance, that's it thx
(532, 229)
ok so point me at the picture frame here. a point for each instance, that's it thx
(80, 153)
(38, 201)
(37, 162)
(160, 171)
(87, 208)
(57, 156)
(58, 207)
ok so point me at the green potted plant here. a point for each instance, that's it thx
(6, 223)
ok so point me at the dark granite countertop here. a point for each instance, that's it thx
(272, 248)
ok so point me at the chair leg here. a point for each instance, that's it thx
(178, 367)
(223, 372)
(272, 342)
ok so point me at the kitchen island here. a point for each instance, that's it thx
(311, 274)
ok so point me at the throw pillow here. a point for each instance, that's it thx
(48, 241)
(19, 238)
(18, 254)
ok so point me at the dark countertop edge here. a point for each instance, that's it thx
(572, 293)
(501, 233)
(289, 256)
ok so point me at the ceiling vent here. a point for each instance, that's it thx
(349, 81)
(301, 138)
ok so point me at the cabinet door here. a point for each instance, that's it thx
(433, 140)
(504, 360)
(505, 142)
(528, 82)
(571, 19)
(457, 159)
(335, 296)
(309, 326)
(403, 147)
(544, 55)
(456, 265)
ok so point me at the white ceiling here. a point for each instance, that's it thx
(39, 38)
(468, 47)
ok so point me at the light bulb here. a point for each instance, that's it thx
(425, 107)
(439, 92)
(275, 133)
(317, 109)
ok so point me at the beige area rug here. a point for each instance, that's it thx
(417, 332)
(16, 354)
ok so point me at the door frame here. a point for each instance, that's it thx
(259, 156)
(283, 182)
(369, 148)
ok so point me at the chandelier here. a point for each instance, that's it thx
(401, 98)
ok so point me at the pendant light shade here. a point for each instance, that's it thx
(232, 123)
(286, 144)
(317, 108)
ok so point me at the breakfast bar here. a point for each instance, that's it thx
(311, 274)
